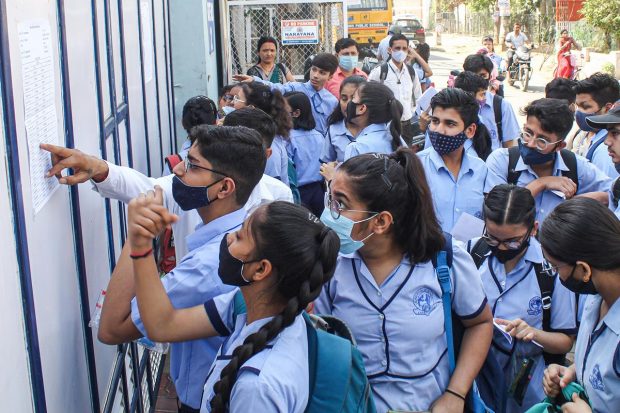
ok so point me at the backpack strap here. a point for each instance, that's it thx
(442, 263)
(570, 159)
(412, 74)
(592, 149)
(383, 74)
(546, 284)
(173, 160)
(513, 158)
(497, 111)
(479, 252)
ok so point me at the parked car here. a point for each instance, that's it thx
(412, 28)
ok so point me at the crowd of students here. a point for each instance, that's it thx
(371, 238)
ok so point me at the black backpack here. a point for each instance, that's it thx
(410, 69)
(546, 283)
(569, 159)
(497, 112)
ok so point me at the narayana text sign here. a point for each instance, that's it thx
(300, 32)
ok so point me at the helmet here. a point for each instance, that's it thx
(395, 29)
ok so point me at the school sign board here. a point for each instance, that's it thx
(295, 32)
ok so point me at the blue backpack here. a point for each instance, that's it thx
(486, 394)
(338, 381)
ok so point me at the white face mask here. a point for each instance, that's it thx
(399, 56)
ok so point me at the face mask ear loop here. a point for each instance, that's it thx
(244, 279)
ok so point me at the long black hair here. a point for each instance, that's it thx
(383, 107)
(396, 183)
(303, 253)
(510, 205)
(270, 102)
(337, 115)
(582, 229)
(299, 101)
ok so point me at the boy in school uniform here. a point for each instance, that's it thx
(324, 66)
(540, 164)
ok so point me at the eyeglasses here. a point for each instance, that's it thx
(541, 143)
(189, 165)
(511, 245)
(336, 209)
(547, 266)
(228, 98)
(236, 99)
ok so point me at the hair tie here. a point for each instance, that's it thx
(390, 100)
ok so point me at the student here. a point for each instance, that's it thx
(347, 51)
(611, 122)
(510, 263)
(340, 132)
(422, 70)
(324, 66)
(571, 239)
(541, 166)
(225, 101)
(260, 96)
(496, 113)
(386, 289)
(279, 259)
(267, 68)
(400, 78)
(304, 149)
(488, 50)
(372, 108)
(561, 88)
(595, 96)
(383, 50)
(457, 179)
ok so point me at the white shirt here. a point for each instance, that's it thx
(515, 40)
(124, 184)
(401, 85)
(382, 49)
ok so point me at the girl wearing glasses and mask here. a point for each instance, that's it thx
(580, 239)
(385, 286)
(510, 263)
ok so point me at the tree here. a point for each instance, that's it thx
(604, 15)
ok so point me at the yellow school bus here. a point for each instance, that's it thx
(369, 20)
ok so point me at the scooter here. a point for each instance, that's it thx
(521, 67)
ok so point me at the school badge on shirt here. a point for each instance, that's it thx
(424, 301)
(535, 306)
(596, 380)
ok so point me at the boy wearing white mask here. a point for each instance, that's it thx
(402, 80)
(347, 52)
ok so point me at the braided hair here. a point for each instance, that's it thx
(303, 253)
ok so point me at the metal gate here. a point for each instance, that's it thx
(249, 20)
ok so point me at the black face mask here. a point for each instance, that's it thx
(577, 286)
(190, 197)
(352, 110)
(230, 268)
(504, 256)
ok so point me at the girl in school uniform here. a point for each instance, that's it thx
(376, 111)
(385, 286)
(280, 259)
(304, 149)
(341, 133)
(580, 240)
(508, 270)
(257, 95)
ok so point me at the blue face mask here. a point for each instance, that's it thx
(445, 144)
(190, 197)
(343, 227)
(347, 63)
(228, 110)
(580, 117)
(533, 157)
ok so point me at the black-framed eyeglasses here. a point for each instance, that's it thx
(511, 244)
(189, 165)
(541, 143)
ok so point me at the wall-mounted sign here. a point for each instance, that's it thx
(300, 32)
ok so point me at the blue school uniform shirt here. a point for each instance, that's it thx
(273, 380)
(337, 138)
(192, 282)
(304, 149)
(374, 138)
(517, 295)
(323, 102)
(399, 325)
(597, 355)
(601, 157)
(591, 179)
(277, 163)
(454, 196)
(510, 126)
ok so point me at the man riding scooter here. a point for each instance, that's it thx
(514, 40)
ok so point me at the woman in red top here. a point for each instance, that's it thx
(565, 68)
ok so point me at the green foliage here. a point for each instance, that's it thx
(608, 68)
(604, 15)
(480, 5)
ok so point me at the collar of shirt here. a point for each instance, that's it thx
(601, 134)
(438, 162)
(488, 99)
(206, 232)
(340, 129)
(365, 272)
(373, 127)
(612, 318)
(534, 252)
(340, 74)
(558, 166)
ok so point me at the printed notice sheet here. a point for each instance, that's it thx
(35, 47)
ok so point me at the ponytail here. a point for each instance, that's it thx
(270, 102)
(383, 107)
(396, 129)
(397, 183)
(303, 253)
(482, 141)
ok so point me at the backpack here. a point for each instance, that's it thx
(569, 159)
(338, 381)
(546, 283)
(497, 112)
(487, 392)
(166, 255)
(410, 69)
(592, 149)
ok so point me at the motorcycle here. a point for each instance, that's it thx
(521, 67)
